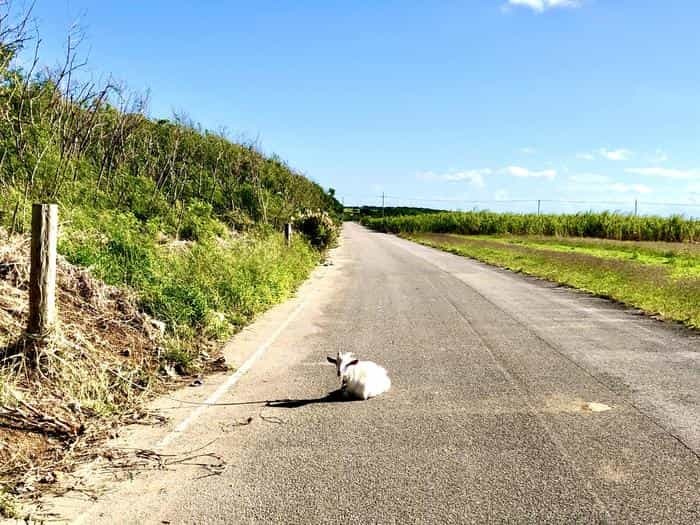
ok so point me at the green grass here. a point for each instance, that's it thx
(206, 289)
(659, 279)
(682, 260)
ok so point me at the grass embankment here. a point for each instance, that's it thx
(203, 290)
(659, 278)
(60, 400)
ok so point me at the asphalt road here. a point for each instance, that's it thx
(485, 421)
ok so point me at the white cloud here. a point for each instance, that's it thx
(667, 173)
(615, 154)
(604, 153)
(474, 177)
(518, 171)
(621, 187)
(589, 178)
(593, 182)
(540, 6)
(621, 154)
(527, 151)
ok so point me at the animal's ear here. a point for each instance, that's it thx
(353, 362)
(331, 360)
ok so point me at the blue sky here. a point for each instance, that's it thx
(438, 103)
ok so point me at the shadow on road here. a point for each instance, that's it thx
(336, 396)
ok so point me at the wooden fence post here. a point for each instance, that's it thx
(288, 233)
(42, 277)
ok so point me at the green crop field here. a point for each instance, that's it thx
(605, 225)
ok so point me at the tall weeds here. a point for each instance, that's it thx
(605, 225)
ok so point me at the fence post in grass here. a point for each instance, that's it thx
(288, 233)
(42, 275)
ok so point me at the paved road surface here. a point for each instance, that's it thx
(484, 421)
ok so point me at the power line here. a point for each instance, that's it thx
(534, 201)
(691, 204)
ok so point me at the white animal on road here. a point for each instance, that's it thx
(360, 379)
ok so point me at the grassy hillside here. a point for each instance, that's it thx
(605, 225)
(158, 219)
(158, 206)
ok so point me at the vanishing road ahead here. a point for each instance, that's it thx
(486, 420)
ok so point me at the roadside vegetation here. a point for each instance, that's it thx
(202, 290)
(170, 241)
(605, 225)
(587, 251)
(662, 280)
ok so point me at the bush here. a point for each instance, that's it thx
(198, 222)
(318, 227)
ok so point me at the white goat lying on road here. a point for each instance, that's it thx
(360, 379)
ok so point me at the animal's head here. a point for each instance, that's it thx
(342, 361)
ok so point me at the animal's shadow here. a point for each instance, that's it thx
(336, 396)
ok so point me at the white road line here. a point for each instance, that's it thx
(232, 380)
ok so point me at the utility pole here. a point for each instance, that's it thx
(382, 206)
(538, 207)
(635, 207)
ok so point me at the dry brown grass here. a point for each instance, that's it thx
(60, 398)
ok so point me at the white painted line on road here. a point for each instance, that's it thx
(232, 380)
